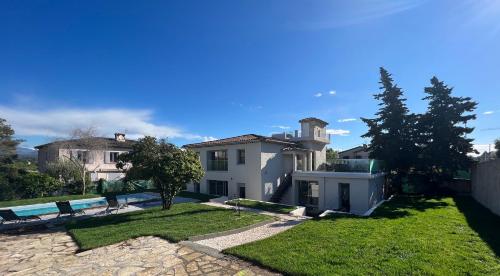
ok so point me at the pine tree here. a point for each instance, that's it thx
(392, 131)
(444, 129)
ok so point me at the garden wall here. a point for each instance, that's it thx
(486, 184)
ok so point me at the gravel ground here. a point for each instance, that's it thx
(258, 233)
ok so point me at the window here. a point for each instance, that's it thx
(113, 157)
(83, 156)
(241, 156)
(196, 187)
(308, 193)
(216, 187)
(217, 160)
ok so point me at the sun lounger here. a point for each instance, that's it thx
(113, 203)
(66, 209)
(9, 215)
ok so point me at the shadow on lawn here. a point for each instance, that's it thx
(130, 217)
(400, 206)
(482, 220)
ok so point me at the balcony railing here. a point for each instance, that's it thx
(371, 166)
(217, 165)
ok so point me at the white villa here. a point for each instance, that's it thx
(290, 169)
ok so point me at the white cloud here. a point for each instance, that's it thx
(209, 138)
(282, 127)
(135, 123)
(346, 120)
(317, 95)
(339, 132)
(488, 112)
(333, 92)
(482, 148)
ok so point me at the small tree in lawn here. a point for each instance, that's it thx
(168, 166)
(444, 127)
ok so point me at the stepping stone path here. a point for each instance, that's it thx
(53, 252)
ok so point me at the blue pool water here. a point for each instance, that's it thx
(48, 208)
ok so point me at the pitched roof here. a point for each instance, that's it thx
(242, 139)
(81, 143)
(355, 149)
(313, 119)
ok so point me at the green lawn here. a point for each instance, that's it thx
(278, 208)
(29, 201)
(179, 223)
(448, 236)
(198, 196)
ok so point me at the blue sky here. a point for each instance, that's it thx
(197, 70)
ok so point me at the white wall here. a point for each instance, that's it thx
(485, 179)
(248, 173)
(365, 190)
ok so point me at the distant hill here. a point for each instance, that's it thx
(26, 153)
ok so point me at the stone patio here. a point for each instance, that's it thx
(52, 252)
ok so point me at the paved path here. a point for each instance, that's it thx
(53, 253)
(284, 223)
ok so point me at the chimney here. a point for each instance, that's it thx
(120, 137)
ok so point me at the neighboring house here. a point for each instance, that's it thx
(99, 154)
(359, 152)
(286, 168)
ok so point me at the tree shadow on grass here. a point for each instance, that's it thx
(481, 220)
(399, 207)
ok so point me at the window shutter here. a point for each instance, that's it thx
(106, 157)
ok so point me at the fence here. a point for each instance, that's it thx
(486, 184)
(120, 186)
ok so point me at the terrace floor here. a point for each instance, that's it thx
(53, 252)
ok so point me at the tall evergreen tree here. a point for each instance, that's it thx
(391, 132)
(8, 144)
(444, 129)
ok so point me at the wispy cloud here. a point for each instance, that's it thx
(209, 138)
(347, 13)
(320, 94)
(282, 127)
(60, 122)
(247, 107)
(346, 120)
(489, 112)
(339, 132)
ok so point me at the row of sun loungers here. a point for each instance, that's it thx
(64, 207)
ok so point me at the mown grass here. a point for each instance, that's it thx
(277, 208)
(19, 202)
(408, 235)
(179, 223)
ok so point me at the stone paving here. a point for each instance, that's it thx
(52, 252)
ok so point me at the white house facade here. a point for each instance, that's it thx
(287, 168)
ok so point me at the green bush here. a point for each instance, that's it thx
(33, 185)
(17, 183)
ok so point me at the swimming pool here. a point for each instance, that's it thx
(48, 208)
